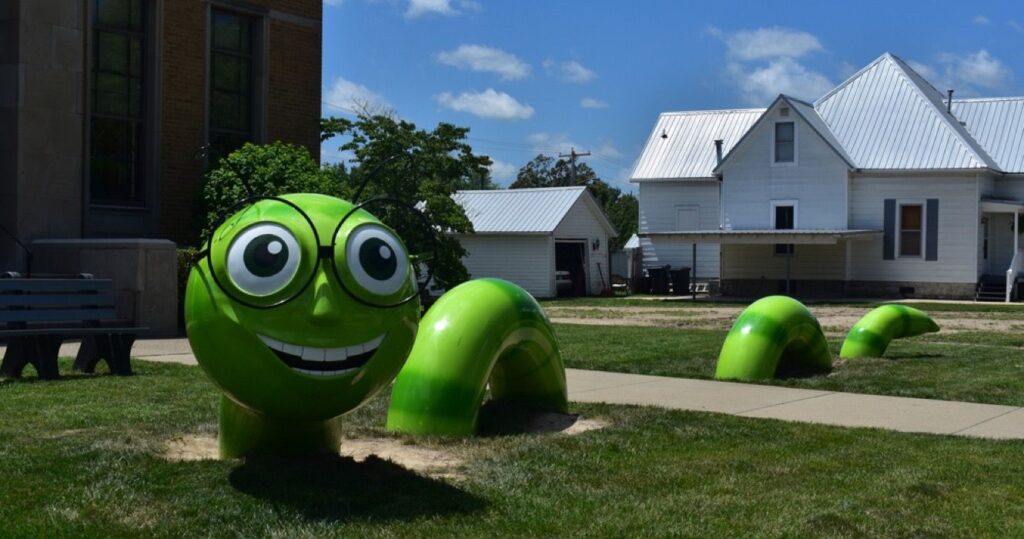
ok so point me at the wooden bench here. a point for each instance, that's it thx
(38, 314)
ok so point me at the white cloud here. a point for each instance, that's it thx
(607, 151)
(982, 20)
(980, 68)
(847, 70)
(487, 104)
(347, 96)
(767, 43)
(549, 144)
(967, 73)
(503, 172)
(570, 71)
(1015, 25)
(419, 8)
(758, 86)
(592, 103)
(488, 59)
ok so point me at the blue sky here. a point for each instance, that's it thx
(531, 76)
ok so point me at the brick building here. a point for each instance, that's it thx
(105, 104)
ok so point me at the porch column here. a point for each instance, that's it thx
(1016, 239)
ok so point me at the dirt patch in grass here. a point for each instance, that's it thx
(191, 447)
(836, 320)
(439, 463)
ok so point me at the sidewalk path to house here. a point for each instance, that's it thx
(746, 400)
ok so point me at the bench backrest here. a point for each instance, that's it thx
(56, 300)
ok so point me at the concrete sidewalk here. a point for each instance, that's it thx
(745, 400)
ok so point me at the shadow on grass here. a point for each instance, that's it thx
(511, 418)
(339, 489)
(919, 355)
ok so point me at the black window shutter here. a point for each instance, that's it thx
(931, 234)
(889, 230)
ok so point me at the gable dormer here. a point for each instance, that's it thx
(788, 157)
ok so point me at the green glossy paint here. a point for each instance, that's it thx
(268, 406)
(774, 335)
(871, 335)
(483, 330)
(269, 309)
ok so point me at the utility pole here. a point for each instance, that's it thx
(572, 155)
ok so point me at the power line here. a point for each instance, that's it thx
(573, 154)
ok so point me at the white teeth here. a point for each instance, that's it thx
(310, 353)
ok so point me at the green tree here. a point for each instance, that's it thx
(269, 169)
(621, 208)
(395, 159)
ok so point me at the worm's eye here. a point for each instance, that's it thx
(263, 259)
(377, 260)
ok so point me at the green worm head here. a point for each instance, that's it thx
(296, 317)
(871, 335)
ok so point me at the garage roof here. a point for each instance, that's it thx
(525, 211)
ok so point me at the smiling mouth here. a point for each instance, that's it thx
(323, 361)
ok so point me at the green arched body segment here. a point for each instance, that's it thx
(773, 335)
(871, 334)
(483, 330)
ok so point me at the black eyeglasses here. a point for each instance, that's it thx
(273, 256)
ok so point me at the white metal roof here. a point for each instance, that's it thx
(688, 148)
(757, 236)
(998, 125)
(807, 112)
(524, 211)
(888, 117)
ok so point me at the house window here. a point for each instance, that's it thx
(233, 70)
(783, 218)
(911, 218)
(117, 131)
(785, 138)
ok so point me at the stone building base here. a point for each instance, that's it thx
(143, 271)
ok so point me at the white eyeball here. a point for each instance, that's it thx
(263, 259)
(377, 260)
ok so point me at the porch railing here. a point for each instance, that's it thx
(1011, 274)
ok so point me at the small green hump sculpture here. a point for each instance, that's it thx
(773, 335)
(871, 334)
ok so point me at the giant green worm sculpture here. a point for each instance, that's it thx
(296, 313)
(773, 335)
(871, 334)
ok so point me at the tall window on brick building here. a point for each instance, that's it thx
(117, 103)
(233, 106)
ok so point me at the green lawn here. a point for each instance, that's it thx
(969, 366)
(82, 458)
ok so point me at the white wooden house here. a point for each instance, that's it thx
(527, 236)
(882, 186)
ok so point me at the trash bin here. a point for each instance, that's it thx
(680, 281)
(659, 280)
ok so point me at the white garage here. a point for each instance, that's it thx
(535, 237)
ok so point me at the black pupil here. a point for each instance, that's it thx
(266, 255)
(378, 259)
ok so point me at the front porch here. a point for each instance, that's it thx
(810, 263)
(1001, 262)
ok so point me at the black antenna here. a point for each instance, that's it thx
(28, 252)
(204, 152)
(373, 174)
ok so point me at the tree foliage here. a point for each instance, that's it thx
(396, 160)
(621, 208)
(270, 169)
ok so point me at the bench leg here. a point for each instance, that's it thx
(88, 355)
(15, 358)
(39, 350)
(114, 348)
